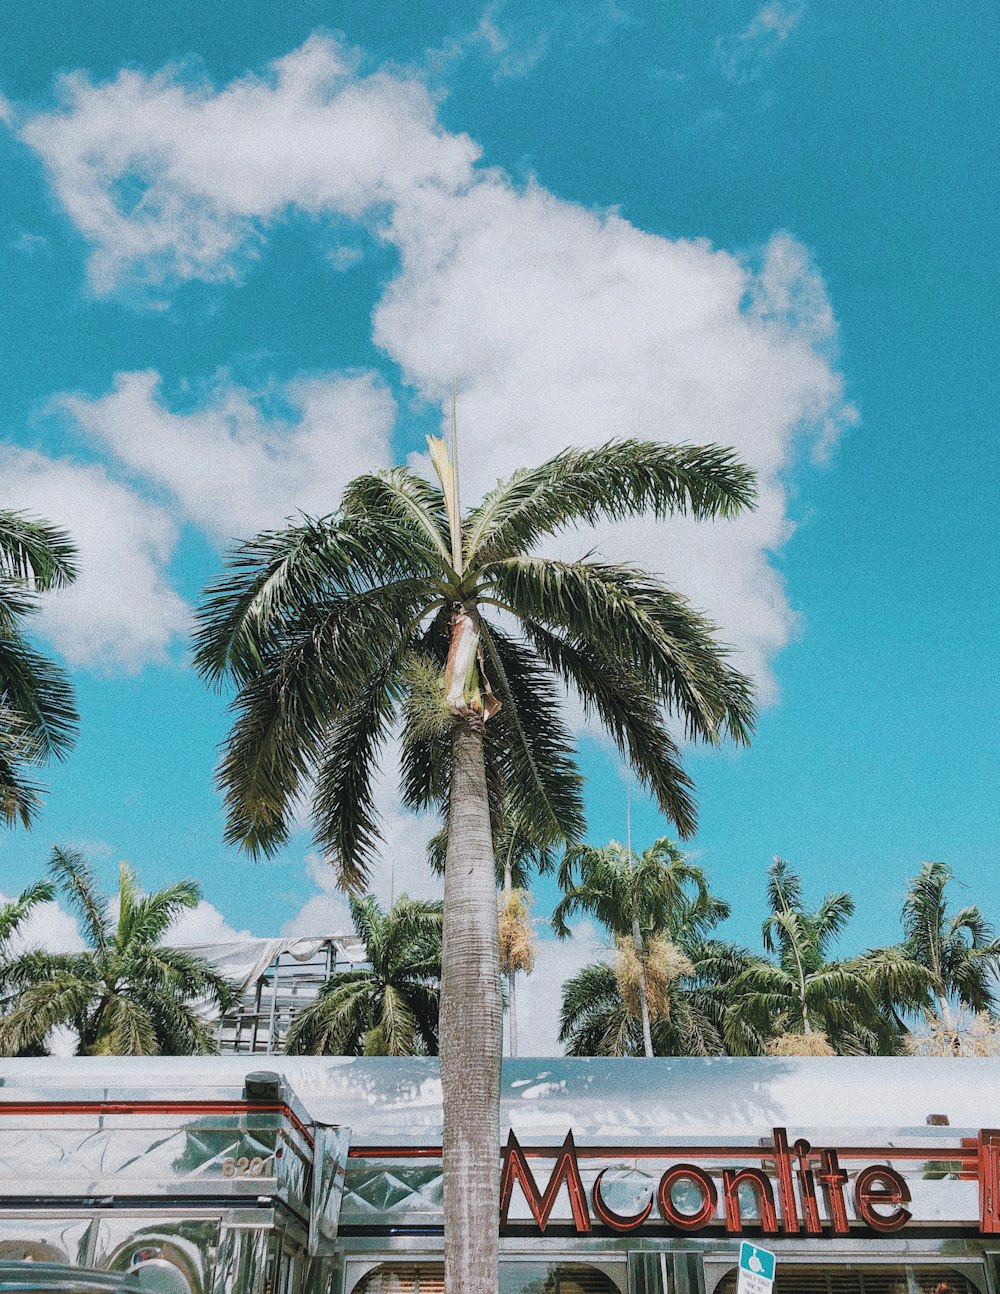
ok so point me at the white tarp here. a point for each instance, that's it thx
(243, 961)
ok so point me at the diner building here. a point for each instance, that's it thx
(323, 1175)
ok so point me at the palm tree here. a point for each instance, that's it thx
(390, 1007)
(127, 995)
(945, 957)
(37, 716)
(518, 855)
(397, 607)
(804, 1003)
(639, 898)
(598, 1019)
(13, 915)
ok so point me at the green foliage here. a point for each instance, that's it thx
(595, 1020)
(38, 717)
(649, 893)
(390, 1006)
(338, 628)
(802, 990)
(947, 959)
(128, 994)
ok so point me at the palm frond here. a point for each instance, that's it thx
(531, 742)
(36, 701)
(629, 713)
(76, 878)
(343, 806)
(14, 914)
(650, 630)
(35, 553)
(285, 711)
(622, 478)
(409, 499)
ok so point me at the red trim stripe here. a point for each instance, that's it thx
(868, 1153)
(39, 1109)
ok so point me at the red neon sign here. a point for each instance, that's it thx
(797, 1188)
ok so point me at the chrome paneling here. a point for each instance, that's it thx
(93, 1155)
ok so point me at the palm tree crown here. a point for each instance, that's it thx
(639, 898)
(128, 994)
(333, 626)
(597, 1020)
(803, 992)
(390, 1006)
(628, 892)
(37, 715)
(947, 958)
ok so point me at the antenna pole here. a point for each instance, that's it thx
(456, 529)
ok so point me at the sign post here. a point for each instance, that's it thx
(756, 1270)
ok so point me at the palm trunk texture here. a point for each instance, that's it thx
(471, 1027)
(647, 1032)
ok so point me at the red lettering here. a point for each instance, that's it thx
(833, 1179)
(515, 1169)
(807, 1188)
(988, 1165)
(892, 1191)
(731, 1182)
(786, 1188)
(617, 1221)
(709, 1198)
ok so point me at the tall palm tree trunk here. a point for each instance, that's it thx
(471, 1026)
(948, 1025)
(647, 1033)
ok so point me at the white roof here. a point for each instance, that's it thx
(399, 1101)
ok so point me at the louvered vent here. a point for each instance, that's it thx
(804, 1278)
(397, 1279)
(518, 1278)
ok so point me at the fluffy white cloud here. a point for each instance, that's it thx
(562, 325)
(204, 924)
(539, 995)
(175, 177)
(566, 327)
(232, 468)
(121, 611)
(48, 926)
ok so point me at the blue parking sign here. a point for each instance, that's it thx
(756, 1269)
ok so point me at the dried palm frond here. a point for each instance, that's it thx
(978, 1037)
(517, 937)
(800, 1044)
(664, 964)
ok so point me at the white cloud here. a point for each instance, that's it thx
(741, 55)
(176, 178)
(568, 327)
(204, 924)
(233, 468)
(539, 995)
(29, 244)
(121, 611)
(48, 926)
(562, 325)
(513, 48)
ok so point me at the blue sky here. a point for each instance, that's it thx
(228, 285)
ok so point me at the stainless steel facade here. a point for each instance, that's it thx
(178, 1173)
